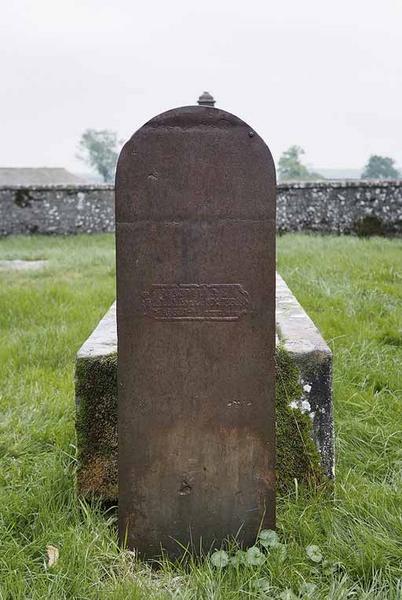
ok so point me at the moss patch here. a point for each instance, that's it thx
(22, 198)
(96, 392)
(297, 456)
(96, 424)
(369, 225)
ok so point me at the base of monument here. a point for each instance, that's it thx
(304, 417)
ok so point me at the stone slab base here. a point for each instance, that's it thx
(304, 418)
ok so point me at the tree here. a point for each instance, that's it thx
(100, 150)
(380, 167)
(291, 168)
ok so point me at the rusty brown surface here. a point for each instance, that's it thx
(195, 230)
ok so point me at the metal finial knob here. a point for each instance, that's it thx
(206, 99)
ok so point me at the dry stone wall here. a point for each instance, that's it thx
(62, 209)
(364, 208)
(357, 207)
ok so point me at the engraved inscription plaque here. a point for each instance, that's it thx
(195, 235)
(195, 301)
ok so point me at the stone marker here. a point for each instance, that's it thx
(195, 235)
(22, 265)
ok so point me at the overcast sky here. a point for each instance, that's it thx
(322, 74)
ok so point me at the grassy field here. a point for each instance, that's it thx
(351, 288)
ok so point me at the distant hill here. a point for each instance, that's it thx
(36, 176)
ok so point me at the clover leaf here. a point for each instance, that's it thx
(268, 538)
(314, 553)
(220, 559)
(254, 556)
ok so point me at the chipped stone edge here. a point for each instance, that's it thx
(103, 339)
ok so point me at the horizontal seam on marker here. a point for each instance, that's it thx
(212, 220)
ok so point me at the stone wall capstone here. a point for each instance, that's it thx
(354, 207)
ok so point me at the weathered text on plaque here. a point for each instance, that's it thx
(196, 301)
(195, 235)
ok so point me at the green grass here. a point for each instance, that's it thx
(351, 288)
